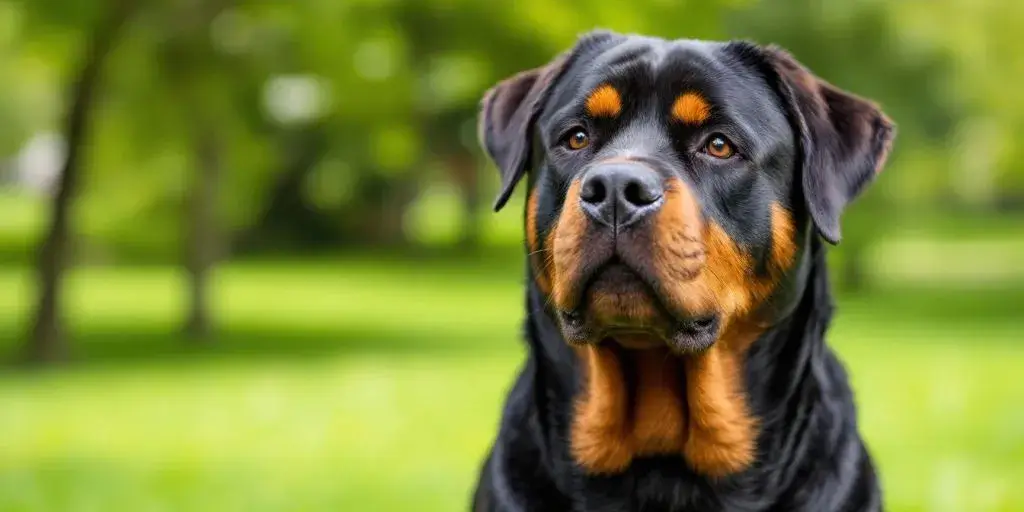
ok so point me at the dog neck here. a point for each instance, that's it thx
(727, 402)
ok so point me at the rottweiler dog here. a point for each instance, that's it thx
(680, 197)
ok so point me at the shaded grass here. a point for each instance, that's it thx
(377, 386)
(280, 311)
(363, 431)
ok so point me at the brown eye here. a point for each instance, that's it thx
(719, 147)
(578, 140)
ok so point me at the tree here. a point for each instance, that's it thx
(47, 340)
(189, 65)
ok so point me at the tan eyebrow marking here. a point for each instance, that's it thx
(605, 101)
(691, 108)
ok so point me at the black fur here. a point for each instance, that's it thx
(813, 150)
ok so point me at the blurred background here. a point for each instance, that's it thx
(247, 260)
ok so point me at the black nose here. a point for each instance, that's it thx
(620, 194)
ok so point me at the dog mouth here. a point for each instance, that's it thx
(618, 304)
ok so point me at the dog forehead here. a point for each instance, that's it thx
(659, 66)
(630, 58)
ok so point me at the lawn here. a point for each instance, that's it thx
(371, 385)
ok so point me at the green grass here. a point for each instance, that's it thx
(370, 385)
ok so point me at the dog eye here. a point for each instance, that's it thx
(719, 147)
(578, 139)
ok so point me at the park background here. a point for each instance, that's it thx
(247, 260)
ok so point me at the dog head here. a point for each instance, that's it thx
(674, 184)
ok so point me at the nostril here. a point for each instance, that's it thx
(632, 194)
(593, 191)
(639, 195)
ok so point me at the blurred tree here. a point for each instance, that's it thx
(983, 41)
(46, 340)
(190, 64)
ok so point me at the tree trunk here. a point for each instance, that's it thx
(287, 219)
(463, 169)
(190, 65)
(46, 341)
(203, 245)
(384, 214)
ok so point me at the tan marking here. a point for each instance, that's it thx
(604, 101)
(709, 271)
(679, 253)
(531, 221)
(727, 273)
(721, 431)
(537, 255)
(599, 437)
(611, 428)
(549, 258)
(691, 108)
(660, 408)
(783, 239)
(567, 249)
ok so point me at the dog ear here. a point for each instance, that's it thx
(507, 114)
(509, 110)
(845, 140)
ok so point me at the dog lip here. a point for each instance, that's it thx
(614, 263)
(699, 323)
(573, 318)
(574, 327)
(628, 272)
(695, 334)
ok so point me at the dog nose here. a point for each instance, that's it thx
(620, 194)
